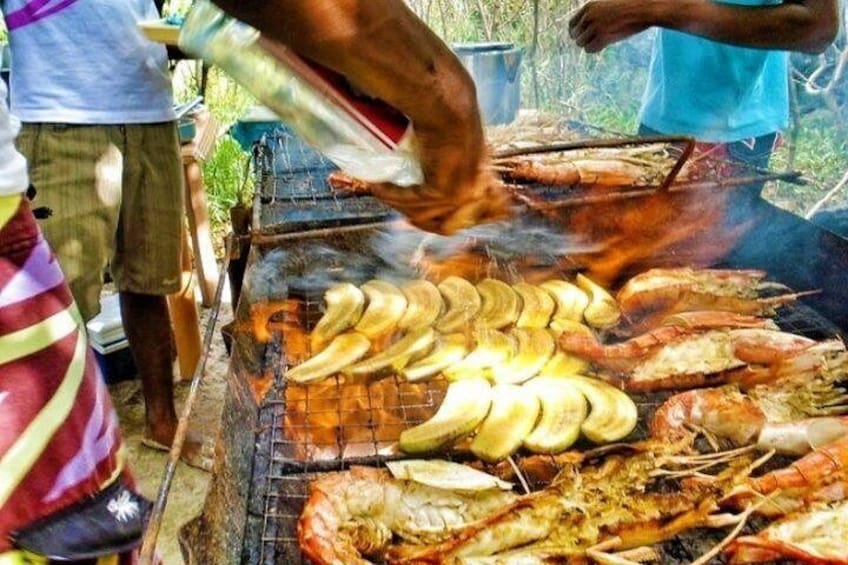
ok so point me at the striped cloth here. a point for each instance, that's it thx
(59, 437)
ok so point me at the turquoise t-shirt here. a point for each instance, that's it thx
(713, 91)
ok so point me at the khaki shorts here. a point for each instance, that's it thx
(116, 193)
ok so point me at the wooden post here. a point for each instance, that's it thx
(185, 321)
(193, 154)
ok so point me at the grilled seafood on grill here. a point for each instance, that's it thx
(677, 357)
(556, 169)
(819, 476)
(353, 513)
(791, 416)
(650, 296)
(363, 512)
(818, 536)
(618, 501)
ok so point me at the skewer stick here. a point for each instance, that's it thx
(154, 524)
(519, 474)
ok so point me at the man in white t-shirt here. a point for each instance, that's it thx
(60, 443)
(95, 99)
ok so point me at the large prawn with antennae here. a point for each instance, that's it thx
(711, 351)
(364, 513)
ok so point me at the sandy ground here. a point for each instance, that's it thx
(188, 489)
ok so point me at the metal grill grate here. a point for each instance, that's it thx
(292, 188)
(295, 462)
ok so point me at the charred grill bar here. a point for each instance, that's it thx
(276, 438)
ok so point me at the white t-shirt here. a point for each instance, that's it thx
(86, 62)
(13, 167)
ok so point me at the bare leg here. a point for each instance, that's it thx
(148, 328)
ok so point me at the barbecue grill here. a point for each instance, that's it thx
(277, 437)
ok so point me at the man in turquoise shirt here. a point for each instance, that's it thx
(719, 70)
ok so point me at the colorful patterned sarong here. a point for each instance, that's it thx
(59, 437)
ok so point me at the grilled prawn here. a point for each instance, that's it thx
(356, 513)
(791, 415)
(677, 357)
(617, 501)
(817, 536)
(656, 293)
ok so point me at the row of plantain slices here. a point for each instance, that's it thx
(357, 317)
(545, 414)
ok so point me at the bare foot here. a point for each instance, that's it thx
(197, 451)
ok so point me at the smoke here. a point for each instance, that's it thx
(501, 249)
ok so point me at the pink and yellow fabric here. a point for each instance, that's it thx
(59, 437)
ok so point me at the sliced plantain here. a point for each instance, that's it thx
(344, 305)
(511, 418)
(424, 305)
(386, 306)
(500, 304)
(570, 300)
(463, 303)
(537, 306)
(602, 310)
(534, 347)
(563, 411)
(613, 413)
(562, 364)
(395, 356)
(561, 326)
(448, 350)
(465, 405)
(492, 347)
(343, 350)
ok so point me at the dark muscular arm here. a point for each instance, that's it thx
(803, 25)
(386, 51)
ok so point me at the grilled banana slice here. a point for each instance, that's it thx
(534, 347)
(500, 304)
(613, 415)
(511, 418)
(344, 305)
(345, 349)
(492, 348)
(570, 300)
(562, 364)
(424, 304)
(395, 356)
(463, 303)
(563, 411)
(602, 310)
(537, 306)
(561, 326)
(449, 350)
(465, 405)
(386, 306)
